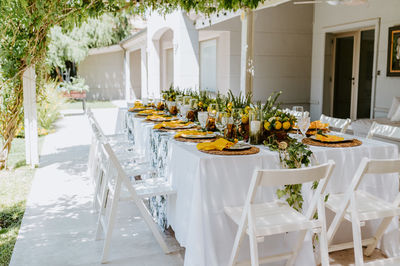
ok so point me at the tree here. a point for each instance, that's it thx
(73, 46)
(25, 27)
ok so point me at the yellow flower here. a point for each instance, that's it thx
(247, 109)
(278, 125)
(200, 104)
(267, 125)
(286, 125)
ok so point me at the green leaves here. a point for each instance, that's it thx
(296, 155)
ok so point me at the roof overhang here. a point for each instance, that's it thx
(204, 22)
(105, 50)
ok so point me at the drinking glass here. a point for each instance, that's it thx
(237, 116)
(193, 103)
(203, 117)
(304, 124)
(297, 111)
(186, 100)
(212, 110)
(150, 100)
(221, 121)
(179, 102)
(164, 96)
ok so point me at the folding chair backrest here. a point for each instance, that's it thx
(114, 163)
(382, 167)
(384, 131)
(336, 123)
(281, 177)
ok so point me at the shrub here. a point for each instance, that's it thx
(76, 84)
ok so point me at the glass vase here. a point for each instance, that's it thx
(256, 126)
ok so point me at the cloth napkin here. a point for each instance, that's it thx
(219, 144)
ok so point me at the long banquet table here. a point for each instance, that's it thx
(206, 183)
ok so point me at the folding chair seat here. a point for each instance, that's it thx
(277, 217)
(116, 179)
(359, 206)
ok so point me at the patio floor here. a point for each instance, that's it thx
(59, 224)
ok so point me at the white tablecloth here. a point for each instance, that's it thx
(206, 183)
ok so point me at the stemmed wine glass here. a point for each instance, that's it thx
(297, 111)
(304, 123)
(221, 122)
(179, 103)
(237, 116)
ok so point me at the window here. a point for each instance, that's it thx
(208, 65)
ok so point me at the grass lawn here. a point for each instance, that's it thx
(89, 104)
(15, 185)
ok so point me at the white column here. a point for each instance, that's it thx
(246, 59)
(128, 85)
(30, 117)
(143, 65)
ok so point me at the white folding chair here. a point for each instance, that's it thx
(359, 206)
(277, 217)
(131, 161)
(384, 132)
(116, 179)
(336, 123)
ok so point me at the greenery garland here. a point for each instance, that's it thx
(292, 154)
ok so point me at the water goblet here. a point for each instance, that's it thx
(221, 121)
(304, 124)
(203, 117)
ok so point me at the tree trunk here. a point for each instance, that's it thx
(12, 122)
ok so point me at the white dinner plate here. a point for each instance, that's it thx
(239, 147)
(208, 136)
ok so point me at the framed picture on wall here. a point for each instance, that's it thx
(393, 64)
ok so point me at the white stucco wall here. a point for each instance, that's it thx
(104, 74)
(388, 11)
(185, 44)
(282, 52)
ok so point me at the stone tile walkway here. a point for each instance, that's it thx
(59, 223)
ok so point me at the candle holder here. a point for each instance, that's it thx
(256, 127)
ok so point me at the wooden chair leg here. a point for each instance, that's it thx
(238, 241)
(111, 221)
(323, 235)
(355, 223)
(297, 246)
(252, 237)
(378, 234)
(102, 211)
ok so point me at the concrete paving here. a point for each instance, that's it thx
(59, 223)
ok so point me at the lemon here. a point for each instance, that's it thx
(245, 119)
(286, 125)
(267, 125)
(278, 125)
